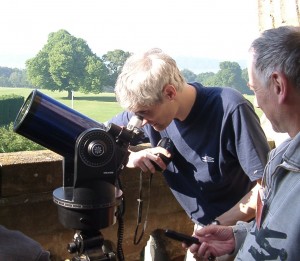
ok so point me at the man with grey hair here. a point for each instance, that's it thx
(274, 76)
(220, 148)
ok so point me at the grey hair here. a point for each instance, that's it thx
(143, 78)
(278, 49)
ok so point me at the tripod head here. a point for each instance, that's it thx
(94, 156)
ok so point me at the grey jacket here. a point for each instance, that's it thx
(279, 235)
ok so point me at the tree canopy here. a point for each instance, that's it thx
(114, 60)
(229, 75)
(67, 63)
(189, 75)
(13, 77)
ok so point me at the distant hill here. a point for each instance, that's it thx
(201, 64)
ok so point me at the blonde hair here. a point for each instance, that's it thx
(143, 78)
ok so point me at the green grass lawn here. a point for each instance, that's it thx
(100, 107)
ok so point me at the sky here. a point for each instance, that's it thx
(215, 29)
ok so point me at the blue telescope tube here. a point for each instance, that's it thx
(51, 123)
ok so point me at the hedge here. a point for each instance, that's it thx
(9, 108)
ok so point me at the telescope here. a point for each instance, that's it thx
(94, 155)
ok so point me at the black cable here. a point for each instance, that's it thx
(120, 233)
(140, 209)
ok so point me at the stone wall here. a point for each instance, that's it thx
(27, 180)
(275, 13)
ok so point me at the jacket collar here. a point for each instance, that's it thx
(292, 153)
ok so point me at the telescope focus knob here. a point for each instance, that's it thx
(96, 148)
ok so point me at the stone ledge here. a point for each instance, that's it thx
(25, 172)
(27, 180)
(28, 157)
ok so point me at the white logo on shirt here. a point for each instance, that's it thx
(207, 159)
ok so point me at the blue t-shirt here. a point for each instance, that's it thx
(220, 151)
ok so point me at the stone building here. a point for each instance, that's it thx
(275, 13)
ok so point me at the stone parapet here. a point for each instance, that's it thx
(28, 179)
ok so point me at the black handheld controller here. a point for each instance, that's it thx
(188, 240)
(167, 144)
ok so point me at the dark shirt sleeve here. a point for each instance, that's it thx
(252, 147)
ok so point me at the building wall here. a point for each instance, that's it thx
(275, 13)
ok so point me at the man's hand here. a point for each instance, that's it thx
(145, 159)
(215, 241)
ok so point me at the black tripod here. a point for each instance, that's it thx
(91, 246)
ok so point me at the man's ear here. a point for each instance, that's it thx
(279, 84)
(169, 92)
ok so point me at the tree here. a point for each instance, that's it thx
(189, 75)
(114, 61)
(13, 77)
(67, 63)
(5, 71)
(4, 81)
(94, 68)
(16, 78)
(245, 75)
(230, 75)
(207, 78)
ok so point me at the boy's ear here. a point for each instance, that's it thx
(169, 91)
